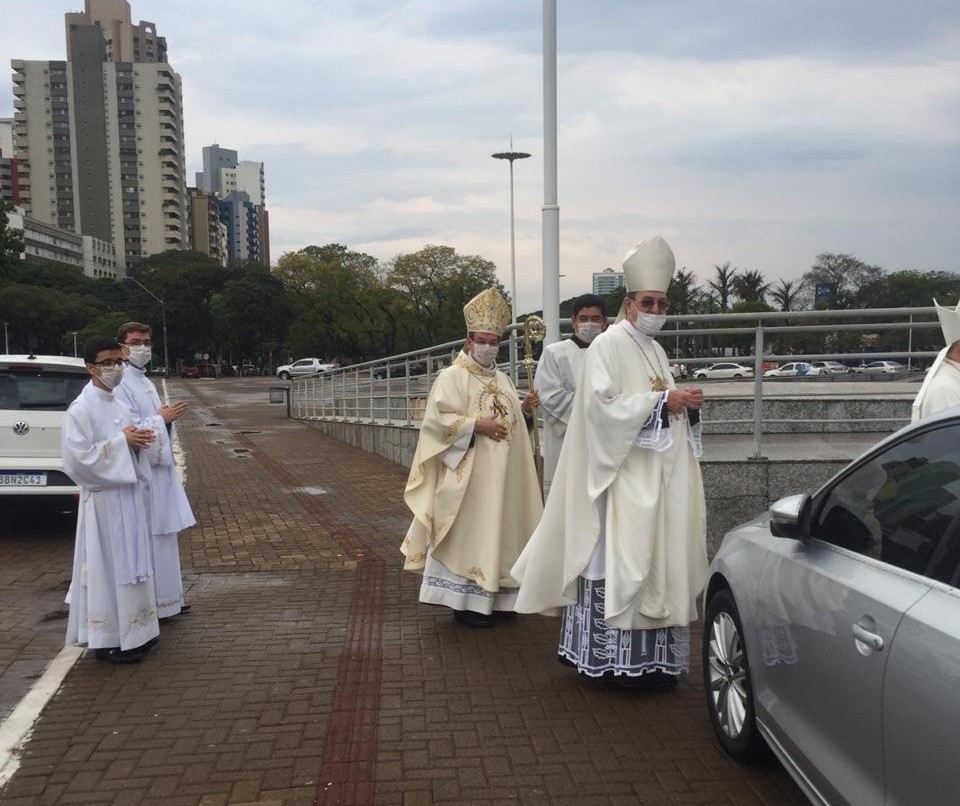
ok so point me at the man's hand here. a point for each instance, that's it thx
(170, 413)
(531, 401)
(679, 400)
(696, 397)
(138, 437)
(490, 428)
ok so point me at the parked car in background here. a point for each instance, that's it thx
(881, 368)
(679, 371)
(35, 391)
(724, 369)
(189, 371)
(831, 368)
(832, 627)
(305, 366)
(399, 370)
(795, 369)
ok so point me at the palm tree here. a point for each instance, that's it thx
(785, 294)
(750, 286)
(723, 285)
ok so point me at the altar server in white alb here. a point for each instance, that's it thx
(113, 607)
(941, 387)
(473, 486)
(557, 374)
(621, 550)
(169, 510)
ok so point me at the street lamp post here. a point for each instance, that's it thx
(512, 156)
(163, 318)
(6, 339)
(75, 342)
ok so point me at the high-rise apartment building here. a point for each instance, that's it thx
(100, 136)
(248, 228)
(9, 165)
(208, 233)
(240, 186)
(607, 281)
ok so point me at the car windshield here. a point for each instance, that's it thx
(32, 388)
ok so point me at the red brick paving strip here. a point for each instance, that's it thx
(346, 776)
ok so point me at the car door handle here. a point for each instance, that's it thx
(870, 639)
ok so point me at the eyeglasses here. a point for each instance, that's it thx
(651, 304)
(139, 343)
(110, 363)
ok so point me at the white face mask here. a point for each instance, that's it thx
(140, 356)
(588, 331)
(485, 354)
(650, 323)
(111, 377)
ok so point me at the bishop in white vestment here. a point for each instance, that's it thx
(112, 600)
(941, 387)
(621, 549)
(558, 372)
(168, 508)
(473, 486)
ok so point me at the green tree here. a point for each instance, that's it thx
(11, 240)
(439, 282)
(722, 284)
(786, 294)
(750, 287)
(335, 298)
(846, 273)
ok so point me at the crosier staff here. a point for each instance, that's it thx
(534, 331)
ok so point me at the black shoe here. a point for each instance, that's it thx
(503, 615)
(185, 609)
(472, 618)
(117, 655)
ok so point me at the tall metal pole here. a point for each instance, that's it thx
(74, 343)
(511, 156)
(551, 210)
(6, 339)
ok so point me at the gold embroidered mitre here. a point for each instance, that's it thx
(487, 312)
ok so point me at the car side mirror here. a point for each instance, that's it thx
(789, 517)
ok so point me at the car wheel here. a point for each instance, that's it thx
(738, 375)
(726, 677)
(698, 376)
(284, 376)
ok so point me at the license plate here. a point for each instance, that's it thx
(23, 479)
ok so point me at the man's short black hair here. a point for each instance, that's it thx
(589, 301)
(95, 345)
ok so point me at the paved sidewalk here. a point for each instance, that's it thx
(307, 671)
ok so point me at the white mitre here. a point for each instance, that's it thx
(648, 266)
(487, 312)
(950, 327)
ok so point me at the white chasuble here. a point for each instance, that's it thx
(940, 390)
(168, 508)
(475, 501)
(558, 372)
(112, 597)
(627, 500)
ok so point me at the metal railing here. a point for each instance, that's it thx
(393, 390)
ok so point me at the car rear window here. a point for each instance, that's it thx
(38, 388)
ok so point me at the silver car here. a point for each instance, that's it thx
(832, 628)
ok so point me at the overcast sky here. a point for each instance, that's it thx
(758, 132)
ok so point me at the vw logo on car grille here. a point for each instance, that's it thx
(20, 428)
